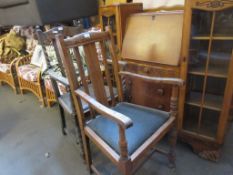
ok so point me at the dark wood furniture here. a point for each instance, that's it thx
(126, 133)
(115, 15)
(57, 75)
(208, 68)
(47, 41)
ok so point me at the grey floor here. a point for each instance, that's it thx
(28, 132)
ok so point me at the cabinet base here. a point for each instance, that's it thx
(208, 150)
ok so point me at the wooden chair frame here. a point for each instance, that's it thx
(48, 38)
(127, 164)
(10, 78)
(34, 87)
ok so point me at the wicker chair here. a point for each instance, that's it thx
(29, 77)
(8, 74)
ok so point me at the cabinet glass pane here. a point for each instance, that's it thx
(195, 88)
(201, 23)
(220, 57)
(191, 114)
(215, 89)
(224, 23)
(197, 57)
(209, 123)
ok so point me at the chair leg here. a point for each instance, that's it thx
(49, 104)
(21, 91)
(172, 142)
(87, 150)
(78, 135)
(63, 121)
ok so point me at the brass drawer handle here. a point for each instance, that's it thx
(160, 106)
(146, 70)
(160, 91)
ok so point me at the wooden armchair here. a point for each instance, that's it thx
(56, 85)
(8, 74)
(126, 133)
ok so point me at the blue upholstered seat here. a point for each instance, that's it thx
(145, 122)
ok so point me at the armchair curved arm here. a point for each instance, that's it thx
(23, 60)
(117, 117)
(12, 65)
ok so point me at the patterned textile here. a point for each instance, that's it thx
(5, 68)
(61, 87)
(29, 72)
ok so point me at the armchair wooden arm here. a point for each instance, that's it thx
(58, 78)
(175, 82)
(117, 117)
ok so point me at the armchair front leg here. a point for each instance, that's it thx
(173, 131)
(125, 162)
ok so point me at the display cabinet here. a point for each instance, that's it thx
(115, 15)
(208, 70)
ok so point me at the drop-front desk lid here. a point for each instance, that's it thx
(154, 37)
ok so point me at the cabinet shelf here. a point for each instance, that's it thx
(218, 65)
(212, 72)
(201, 37)
(215, 37)
(212, 102)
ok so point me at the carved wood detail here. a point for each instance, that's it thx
(213, 4)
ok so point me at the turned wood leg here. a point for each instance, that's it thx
(172, 142)
(63, 121)
(0, 83)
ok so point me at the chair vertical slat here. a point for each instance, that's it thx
(81, 70)
(96, 77)
(58, 58)
(68, 63)
(109, 82)
(116, 70)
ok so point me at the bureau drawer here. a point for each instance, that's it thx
(147, 93)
